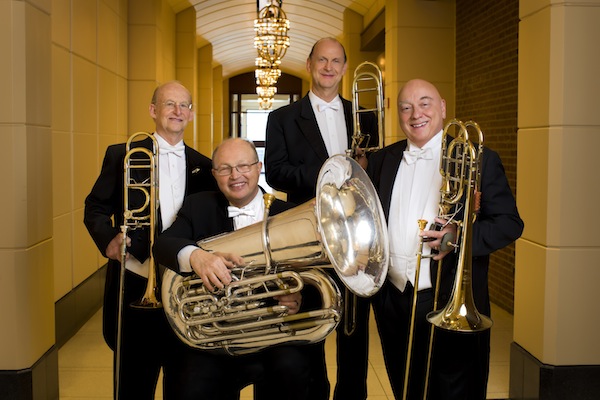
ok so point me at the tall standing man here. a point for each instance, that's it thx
(406, 175)
(300, 138)
(147, 341)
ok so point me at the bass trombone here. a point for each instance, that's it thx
(460, 168)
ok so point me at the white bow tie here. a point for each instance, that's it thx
(334, 106)
(179, 151)
(234, 211)
(413, 155)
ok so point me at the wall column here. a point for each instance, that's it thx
(555, 354)
(28, 356)
(204, 111)
(424, 32)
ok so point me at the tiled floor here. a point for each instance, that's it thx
(85, 363)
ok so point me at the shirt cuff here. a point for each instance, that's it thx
(183, 258)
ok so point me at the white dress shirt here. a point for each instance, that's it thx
(415, 195)
(331, 122)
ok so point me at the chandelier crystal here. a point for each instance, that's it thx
(271, 43)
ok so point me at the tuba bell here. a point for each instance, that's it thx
(342, 228)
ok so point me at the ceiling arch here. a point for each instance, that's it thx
(228, 25)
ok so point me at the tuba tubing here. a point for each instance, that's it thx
(342, 228)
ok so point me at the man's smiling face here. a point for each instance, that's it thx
(421, 111)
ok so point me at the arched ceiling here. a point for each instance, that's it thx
(228, 26)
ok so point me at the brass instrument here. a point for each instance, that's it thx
(460, 167)
(367, 98)
(461, 173)
(343, 227)
(366, 84)
(136, 217)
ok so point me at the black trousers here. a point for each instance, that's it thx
(147, 341)
(459, 363)
(352, 355)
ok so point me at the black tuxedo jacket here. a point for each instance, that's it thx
(295, 150)
(497, 225)
(201, 216)
(105, 201)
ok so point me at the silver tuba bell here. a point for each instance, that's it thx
(343, 227)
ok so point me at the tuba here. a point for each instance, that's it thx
(366, 84)
(342, 228)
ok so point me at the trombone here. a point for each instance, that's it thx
(460, 167)
(367, 83)
(144, 216)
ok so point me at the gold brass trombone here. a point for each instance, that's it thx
(460, 167)
(142, 216)
(366, 84)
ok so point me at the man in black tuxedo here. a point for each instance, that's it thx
(406, 175)
(300, 137)
(147, 342)
(282, 371)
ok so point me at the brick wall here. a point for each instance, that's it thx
(486, 91)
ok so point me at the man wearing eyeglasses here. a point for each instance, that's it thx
(282, 370)
(147, 341)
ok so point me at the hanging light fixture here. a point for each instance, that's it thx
(271, 43)
(271, 26)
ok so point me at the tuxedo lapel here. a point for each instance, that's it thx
(307, 122)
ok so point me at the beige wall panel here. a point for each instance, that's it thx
(38, 164)
(122, 111)
(61, 23)
(144, 11)
(432, 14)
(139, 98)
(571, 278)
(569, 171)
(61, 89)
(85, 169)
(85, 96)
(63, 256)
(44, 5)
(84, 34)
(85, 253)
(534, 72)
(123, 47)
(37, 63)
(6, 68)
(17, 107)
(579, 98)
(143, 58)
(62, 179)
(532, 169)
(530, 296)
(13, 178)
(108, 37)
(108, 89)
(26, 292)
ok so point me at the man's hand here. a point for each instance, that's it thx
(291, 301)
(213, 268)
(113, 250)
(361, 157)
(447, 234)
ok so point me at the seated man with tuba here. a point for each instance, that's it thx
(283, 370)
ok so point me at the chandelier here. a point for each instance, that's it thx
(271, 43)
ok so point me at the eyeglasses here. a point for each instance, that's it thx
(184, 106)
(227, 169)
